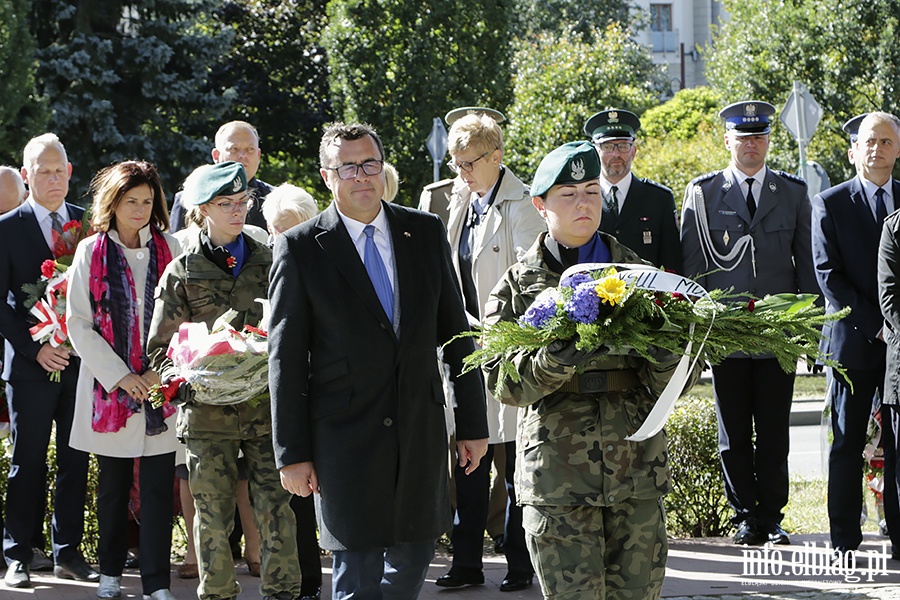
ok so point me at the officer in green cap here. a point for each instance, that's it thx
(222, 268)
(639, 212)
(592, 500)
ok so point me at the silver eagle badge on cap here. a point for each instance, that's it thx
(613, 117)
(236, 184)
(578, 169)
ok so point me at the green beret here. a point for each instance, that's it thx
(209, 181)
(575, 162)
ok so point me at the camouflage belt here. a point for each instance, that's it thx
(592, 382)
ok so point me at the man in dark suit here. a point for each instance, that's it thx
(748, 228)
(640, 213)
(847, 225)
(35, 402)
(362, 296)
(236, 141)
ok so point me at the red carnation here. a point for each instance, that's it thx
(70, 225)
(751, 305)
(48, 267)
(231, 261)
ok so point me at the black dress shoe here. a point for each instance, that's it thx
(776, 535)
(498, 544)
(40, 561)
(76, 569)
(458, 577)
(515, 583)
(748, 534)
(17, 575)
(841, 558)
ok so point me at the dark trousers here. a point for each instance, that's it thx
(754, 394)
(849, 420)
(307, 544)
(156, 482)
(472, 493)
(33, 408)
(395, 573)
(890, 436)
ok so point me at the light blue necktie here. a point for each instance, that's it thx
(378, 273)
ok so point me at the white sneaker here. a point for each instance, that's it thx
(160, 595)
(110, 586)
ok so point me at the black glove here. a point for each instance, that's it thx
(661, 354)
(813, 366)
(185, 394)
(565, 353)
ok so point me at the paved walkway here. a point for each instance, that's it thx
(697, 570)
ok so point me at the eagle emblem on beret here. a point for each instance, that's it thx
(613, 117)
(577, 167)
(236, 184)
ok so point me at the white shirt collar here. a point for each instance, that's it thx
(355, 228)
(740, 177)
(621, 188)
(41, 212)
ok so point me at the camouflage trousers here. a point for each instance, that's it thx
(213, 475)
(598, 552)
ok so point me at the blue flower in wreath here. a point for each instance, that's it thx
(584, 305)
(541, 310)
(575, 279)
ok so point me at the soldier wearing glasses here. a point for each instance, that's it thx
(640, 213)
(223, 268)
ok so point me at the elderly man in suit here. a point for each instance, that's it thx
(847, 224)
(12, 189)
(640, 213)
(236, 141)
(27, 236)
(748, 228)
(362, 296)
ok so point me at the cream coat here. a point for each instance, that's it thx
(99, 360)
(508, 230)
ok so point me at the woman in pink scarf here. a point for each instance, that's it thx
(110, 303)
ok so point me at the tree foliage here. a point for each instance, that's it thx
(844, 51)
(560, 81)
(129, 79)
(581, 18)
(22, 113)
(398, 64)
(277, 74)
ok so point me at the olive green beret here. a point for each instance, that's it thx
(575, 162)
(209, 181)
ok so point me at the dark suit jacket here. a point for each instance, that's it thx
(260, 189)
(22, 250)
(647, 224)
(364, 405)
(889, 296)
(845, 251)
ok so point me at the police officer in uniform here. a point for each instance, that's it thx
(435, 197)
(639, 212)
(748, 228)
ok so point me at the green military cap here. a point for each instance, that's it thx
(482, 111)
(612, 125)
(575, 162)
(209, 181)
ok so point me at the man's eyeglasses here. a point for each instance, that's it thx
(349, 171)
(466, 165)
(229, 206)
(617, 146)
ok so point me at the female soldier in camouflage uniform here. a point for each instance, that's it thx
(222, 268)
(592, 501)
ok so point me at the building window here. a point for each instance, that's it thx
(660, 17)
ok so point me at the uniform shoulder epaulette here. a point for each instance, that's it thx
(705, 177)
(790, 176)
(438, 184)
(654, 184)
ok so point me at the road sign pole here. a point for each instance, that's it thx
(802, 138)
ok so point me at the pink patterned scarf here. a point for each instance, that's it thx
(116, 318)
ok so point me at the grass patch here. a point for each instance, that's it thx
(805, 386)
(807, 508)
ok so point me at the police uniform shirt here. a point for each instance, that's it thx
(870, 188)
(621, 189)
(758, 179)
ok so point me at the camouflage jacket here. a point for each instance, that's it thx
(194, 289)
(571, 447)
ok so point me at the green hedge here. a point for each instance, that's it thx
(697, 506)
